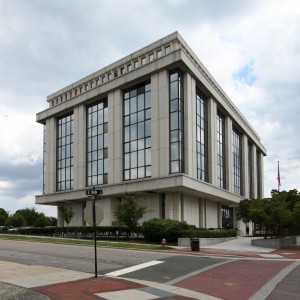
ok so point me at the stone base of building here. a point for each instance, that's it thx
(186, 242)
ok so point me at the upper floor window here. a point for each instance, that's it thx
(97, 143)
(221, 178)
(64, 149)
(202, 136)
(258, 166)
(250, 172)
(237, 161)
(137, 132)
(176, 122)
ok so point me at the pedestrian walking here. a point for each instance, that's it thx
(247, 230)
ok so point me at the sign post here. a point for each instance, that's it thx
(93, 195)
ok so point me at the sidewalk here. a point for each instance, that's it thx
(25, 282)
(241, 247)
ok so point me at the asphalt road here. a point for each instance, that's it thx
(77, 258)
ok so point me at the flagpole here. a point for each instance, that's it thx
(278, 178)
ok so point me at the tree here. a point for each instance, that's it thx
(277, 216)
(244, 210)
(41, 221)
(52, 221)
(33, 218)
(29, 214)
(128, 212)
(258, 213)
(3, 217)
(15, 220)
(67, 214)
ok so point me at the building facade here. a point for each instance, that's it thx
(157, 125)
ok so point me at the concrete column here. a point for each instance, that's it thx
(202, 213)
(50, 161)
(228, 154)
(212, 141)
(254, 173)
(245, 185)
(115, 137)
(219, 212)
(160, 123)
(60, 220)
(190, 129)
(259, 170)
(173, 206)
(262, 177)
(46, 157)
(79, 138)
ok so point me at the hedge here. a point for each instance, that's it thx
(102, 232)
(155, 230)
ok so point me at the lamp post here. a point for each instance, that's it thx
(93, 195)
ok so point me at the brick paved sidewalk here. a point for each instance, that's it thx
(103, 288)
(292, 252)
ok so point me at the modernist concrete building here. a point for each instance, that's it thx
(157, 125)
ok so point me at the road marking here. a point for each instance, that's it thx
(271, 255)
(134, 268)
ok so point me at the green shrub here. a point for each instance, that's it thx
(155, 230)
(103, 232)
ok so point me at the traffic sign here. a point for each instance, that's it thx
(94, 192)
(88, 213)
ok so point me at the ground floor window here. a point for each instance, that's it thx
(227, 217)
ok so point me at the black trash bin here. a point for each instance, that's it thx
(195, 244)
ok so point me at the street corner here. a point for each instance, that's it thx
(87, 288)
(238, 279)
(292, 252)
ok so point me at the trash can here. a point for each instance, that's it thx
(195, 244)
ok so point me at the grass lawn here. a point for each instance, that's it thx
(68, 241)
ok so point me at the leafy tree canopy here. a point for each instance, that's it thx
(66, 212)
(278, 215)
(3, 216)
(128, 212)
(16, 220)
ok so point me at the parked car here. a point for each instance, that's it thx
(13, 229)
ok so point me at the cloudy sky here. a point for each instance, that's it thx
(252, 48)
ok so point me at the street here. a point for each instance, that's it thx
(221, 277)
(77, 258)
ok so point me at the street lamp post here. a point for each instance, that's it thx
(93, 195)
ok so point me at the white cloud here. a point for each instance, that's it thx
(21, 138)
(250, 47)
(4, 185)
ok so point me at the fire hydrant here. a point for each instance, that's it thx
(163, 242)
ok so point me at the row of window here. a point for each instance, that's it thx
(137, 139)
